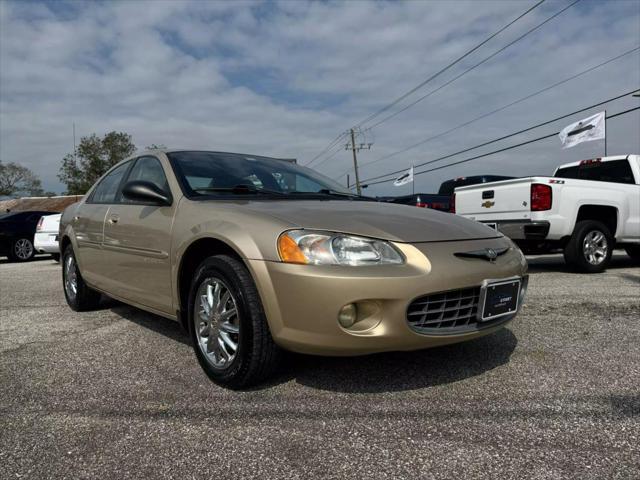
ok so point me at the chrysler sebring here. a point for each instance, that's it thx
(256, 255)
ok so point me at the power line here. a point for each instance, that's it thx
(328, 147)
(498, 151)
(528, 32)
(422, 84)
(506, 136)
(492, 112)
(439, 72)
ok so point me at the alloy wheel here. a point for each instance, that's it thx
(217, 325)
(70, 277)
(595, 247)
(23, 249)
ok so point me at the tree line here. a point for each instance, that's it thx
(79, 170)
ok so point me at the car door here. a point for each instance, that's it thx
(88, 225)
(137, 243)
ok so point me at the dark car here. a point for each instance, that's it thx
(17, 230)
(442, 200)
(424, 200)
(447, 188)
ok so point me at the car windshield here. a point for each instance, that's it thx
(213, 173)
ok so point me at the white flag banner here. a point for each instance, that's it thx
(587, 130)
(406, 177)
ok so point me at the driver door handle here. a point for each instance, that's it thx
(113, 218)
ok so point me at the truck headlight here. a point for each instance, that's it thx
(328, 248)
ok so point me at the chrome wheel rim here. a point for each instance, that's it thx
(217, 325)
(595, 247)
(23, 249)
(70, 277)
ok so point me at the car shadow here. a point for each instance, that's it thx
(556, 263)
(37, 258)
(378, 373)
(156, 323)
(400, 371)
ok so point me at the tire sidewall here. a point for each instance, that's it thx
(68, 252)
(576, 254)
(220, 268)
(13, 250)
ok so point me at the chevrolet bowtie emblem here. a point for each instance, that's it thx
(488, 204)
(489, 254)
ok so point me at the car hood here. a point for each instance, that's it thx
(399, 223)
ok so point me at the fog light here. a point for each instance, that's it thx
(347, 316)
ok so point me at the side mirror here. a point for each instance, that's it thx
(146, 192)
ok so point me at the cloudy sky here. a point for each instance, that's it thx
(285, 78)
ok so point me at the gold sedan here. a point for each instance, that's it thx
(253, 255)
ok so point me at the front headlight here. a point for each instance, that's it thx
(327, 248)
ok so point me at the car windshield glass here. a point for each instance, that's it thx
(213, 173)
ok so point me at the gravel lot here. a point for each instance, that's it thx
(117, 393)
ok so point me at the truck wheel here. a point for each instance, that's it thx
(228, 326)
(633, 251)
(79, 295)
(590, 247)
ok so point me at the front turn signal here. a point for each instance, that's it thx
(290, 251)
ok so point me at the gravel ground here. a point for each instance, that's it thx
(117, 393)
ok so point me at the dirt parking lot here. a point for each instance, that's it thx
(117, 393)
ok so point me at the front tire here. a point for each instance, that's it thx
(228, 326)
(22, 250)
(590, 247)
(80, 297)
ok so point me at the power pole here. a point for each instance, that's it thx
(355, 148)
(355, 162)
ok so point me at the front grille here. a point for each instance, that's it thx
(449, 312)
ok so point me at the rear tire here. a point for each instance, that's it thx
(633, 251)
(590, 247)
(224, 307)
(22, 250)
(55, 257)
(80, 297)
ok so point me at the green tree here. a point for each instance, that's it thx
(94, 156)
(16, 180)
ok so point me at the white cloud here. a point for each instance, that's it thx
(284, 79)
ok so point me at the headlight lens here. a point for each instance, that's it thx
(327, 248)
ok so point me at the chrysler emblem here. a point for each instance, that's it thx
(491, 254)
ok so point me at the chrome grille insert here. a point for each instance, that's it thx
(454, 311)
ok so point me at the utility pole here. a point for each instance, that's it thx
(355, 162)
(355, 148)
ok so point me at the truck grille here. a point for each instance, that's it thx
(449, 312)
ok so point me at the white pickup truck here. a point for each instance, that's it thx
(584, 210)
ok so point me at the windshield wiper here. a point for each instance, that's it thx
(239, 189)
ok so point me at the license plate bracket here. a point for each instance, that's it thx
(499, 298)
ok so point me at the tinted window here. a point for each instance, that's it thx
(616, 171)
(107, 189)
(202, 171)
(449, 186)
(148, 169)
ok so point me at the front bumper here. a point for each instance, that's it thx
(302, 302)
